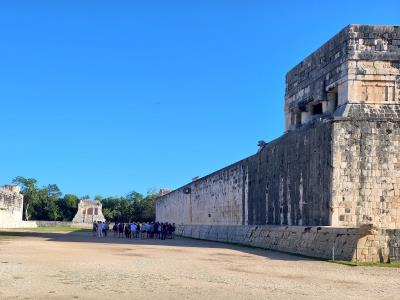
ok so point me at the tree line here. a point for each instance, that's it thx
(49, 204)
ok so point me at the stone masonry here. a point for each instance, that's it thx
(89, 211)
(11, 204)
(338, 163)
(363, 244)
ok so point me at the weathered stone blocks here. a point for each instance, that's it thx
(11, 205)
(89, 211)
(340, 243)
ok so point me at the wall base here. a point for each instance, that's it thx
(362, 244)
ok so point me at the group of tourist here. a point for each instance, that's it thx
(149, 230)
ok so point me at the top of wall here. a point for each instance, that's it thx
(355, 42)
(11, 188)
(89, 203)
(359, 65)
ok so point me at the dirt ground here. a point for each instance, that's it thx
(43, 265)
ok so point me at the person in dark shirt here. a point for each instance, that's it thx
(127, 231)
(120, 230)
(163, 231)
(94, 228)
(115, 230)
(105, 229)
(138, 231)
(156, 230)
(173, 231)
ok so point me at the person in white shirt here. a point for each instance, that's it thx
(100, 229)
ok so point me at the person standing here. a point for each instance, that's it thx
(173, 230)
(120, 230)
(143, 230)
(169, 230)
(106, 228)
(127, 231)
(94, 228)
(133, 231)
(100, 229)
(115, 230)
(156, 227)
(138, 231)
(159, 230)
(163, 231)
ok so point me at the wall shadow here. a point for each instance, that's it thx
(85, 236)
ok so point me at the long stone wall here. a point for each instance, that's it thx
(286, 183)
(218, 198)
(289, 179)
(341, 172)
(363, 244)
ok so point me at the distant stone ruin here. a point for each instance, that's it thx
(89, 211)
(11, 205)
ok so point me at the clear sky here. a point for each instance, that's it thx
(107, 97)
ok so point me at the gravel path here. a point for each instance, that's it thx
(78, 266)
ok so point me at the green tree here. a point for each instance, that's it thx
(68, 206)
(149, 206)
(45, 206)
(135, 201)
(47, 203)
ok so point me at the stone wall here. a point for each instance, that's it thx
(286, 183)
(366, 173)
(11, 206)
(340, 243)
(337, 164)
(219, 198)
(342, 172)
(359, 65)
(307, 82)
(289, 179)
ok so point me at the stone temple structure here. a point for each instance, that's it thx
(333, 178)
(89, 211)
(11, 204)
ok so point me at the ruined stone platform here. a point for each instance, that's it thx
(89, 211)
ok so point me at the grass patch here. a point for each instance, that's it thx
(6, 234)
(43, 229)
(366, 264)
(55, 228)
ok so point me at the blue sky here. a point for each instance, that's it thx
(107, 97)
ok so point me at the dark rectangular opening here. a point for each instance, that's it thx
(298, 118)
(336, 100)
(317, 109)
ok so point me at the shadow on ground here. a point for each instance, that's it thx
(85, 236)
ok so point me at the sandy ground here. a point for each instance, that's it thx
(78, 266)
